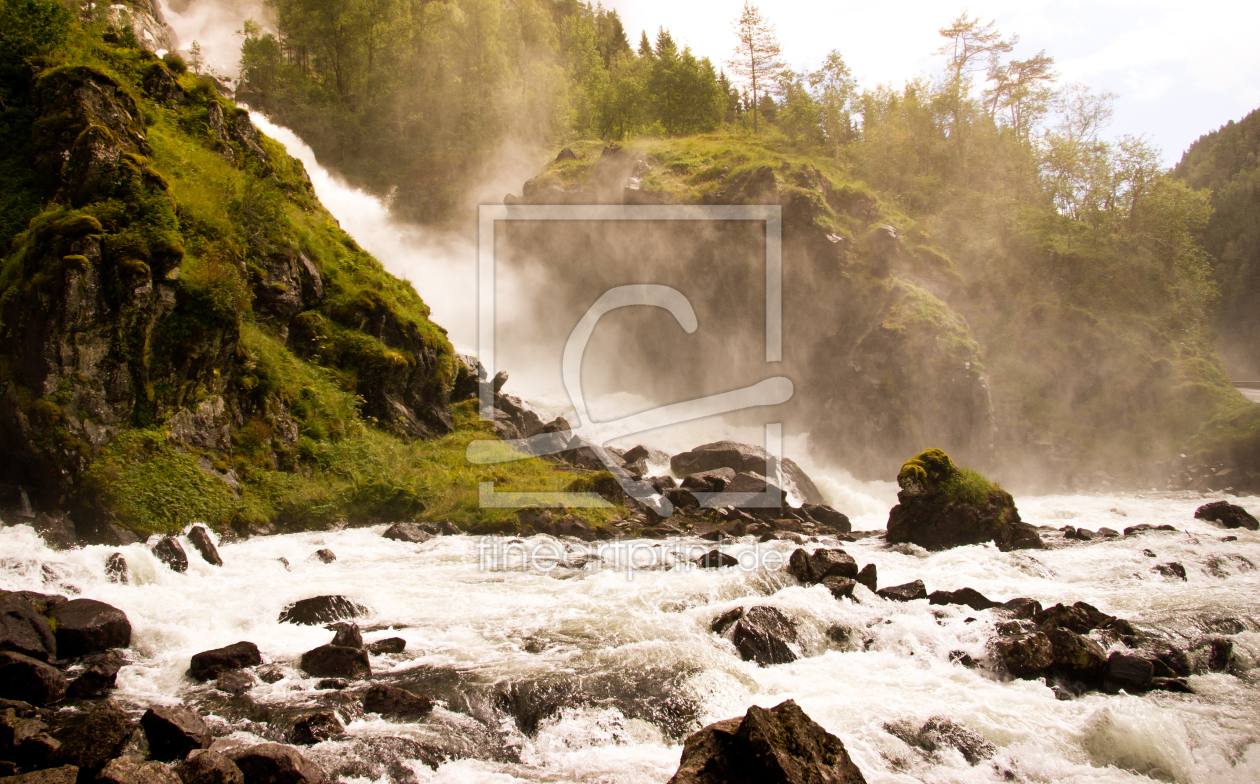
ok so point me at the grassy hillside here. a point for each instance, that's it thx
(185, 333)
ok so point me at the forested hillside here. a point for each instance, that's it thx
(1227, 162)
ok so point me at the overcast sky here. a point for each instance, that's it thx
(1180, 68)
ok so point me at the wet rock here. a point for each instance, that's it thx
(727, 619)
(407, 532)
(1079, 656)
(1129, 672)
(1171, 570)
(868, 577)
(1178, 685)
(170, 552)
(939, 733)
(968, 597)
(1134, 530)
(271, 763)
(99, 676)
(569, 525)
(57, 531)
(234, 682)
(173, 731)
(931, 514)
(832, 563)
(1022, 607)
(315, 727)
(99, 738)
(270, 674)
(116, 568)
(393, 701)
(25, 742)
(1081, 618)
(347, 634)
(1108, 533)
(208, 767)
(780, 745)
(387, 645)
(127, 771)
(210, 664)
(204, 543)
(335, 661)
(87, 626)
(906, 592)
(30, 680)
(66, 774)
(716, 559)
(743, 458)
(714, 481)
(1212, 655)
(335, 684)
(25, 631)
(833, 521)
(1025, 656)
(840, 587)
(319, 610)
(1228, 515)
(763, 635)
(325, 555)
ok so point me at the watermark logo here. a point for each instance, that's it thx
(597, 434)
(547, 556)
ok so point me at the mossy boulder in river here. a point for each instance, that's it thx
(941, 506)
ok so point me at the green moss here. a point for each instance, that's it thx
(933, 467)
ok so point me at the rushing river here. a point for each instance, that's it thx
(631, 665)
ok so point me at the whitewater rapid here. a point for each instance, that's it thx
(467, 617)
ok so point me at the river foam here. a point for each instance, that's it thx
(631, 654)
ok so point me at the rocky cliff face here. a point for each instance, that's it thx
(166, 227)
(880, 360)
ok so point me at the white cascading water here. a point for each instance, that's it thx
(492, 627)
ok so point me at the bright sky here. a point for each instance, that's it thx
(1181, 68)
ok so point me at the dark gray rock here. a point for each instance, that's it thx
(969, 597)
(24, 741)
(1228, 515)
(727, 619)
(204, 543)
(234, 682)
(940, 733)
(173, 731)
(208, 767)
(407, 532)
(128, 771)
(763, 635)
(779, 745)
(387, 645)
(836, 522)
(99, 738)
(66, 774)
(868, 577)
(315, 727)
(1129, 672)
(320, 610)
(325, 555)
(1171, 570)
(716, 559)
(743, 458)
(906, 592)
(840, 587)
(56, 530)
(1025, 655)
(271, 763)
(99, 676)
(30, 680)
(335, 661)
(170, 552)
(393, 701)
(1021, 607)
(116, 568)
(1079, 656)
(714, 481)
(25, 631)
(210, 664)
(87, 626)
(347, 634)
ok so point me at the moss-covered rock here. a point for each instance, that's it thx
(941, 506)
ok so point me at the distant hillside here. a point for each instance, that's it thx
(1227, 161)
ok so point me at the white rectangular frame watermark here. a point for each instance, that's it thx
(489, 215)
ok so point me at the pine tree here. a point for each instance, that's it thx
(757, 54)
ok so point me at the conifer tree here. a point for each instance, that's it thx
(756, 55)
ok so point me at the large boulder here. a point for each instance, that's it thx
(1228, 515)
(393, 701)
(779, 745)
(211, 664)
(1026, 655)
(337, 661)
(271, 763)
(87, 626)
(207, 767)
(969, 597)
(941, 506)
(764, 635)
(173, 731)
(907, 592)
(128, 771)
(24, 740)
(836, 522)
(815, 567)
(30, 680)
(407, 532)
(170, 552)
(25, 631)
(99, 738)
(99, 676)
(320, 610)
(744, 458)
(204, 543)
(66, 774)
